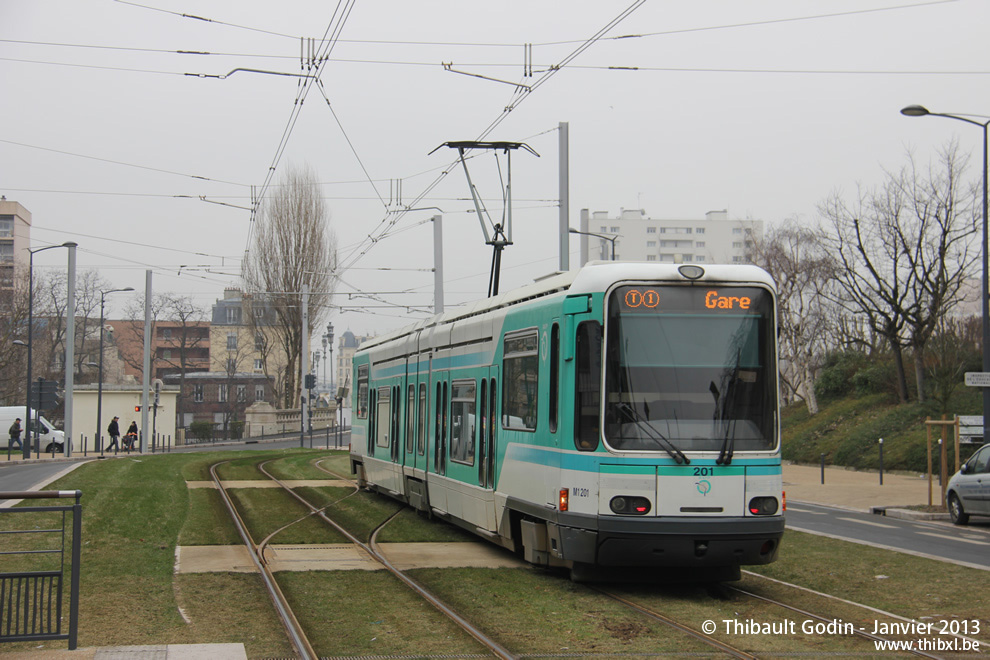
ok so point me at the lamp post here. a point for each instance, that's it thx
(27, 406)
(329, 354)
(921, 111)
(99, 383)
(602, 236)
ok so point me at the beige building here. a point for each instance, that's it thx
(243, 339)
(120, 400)
(15, 240)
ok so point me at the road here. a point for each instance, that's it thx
(969, 545)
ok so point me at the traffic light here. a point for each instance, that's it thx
(310, 381)
(137, 408)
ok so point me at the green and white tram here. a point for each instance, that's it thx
(620, 415)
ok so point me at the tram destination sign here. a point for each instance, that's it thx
(977, 379)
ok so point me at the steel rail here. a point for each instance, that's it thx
(697, 634)
(371, 548)
(292, 626)
(856, 631)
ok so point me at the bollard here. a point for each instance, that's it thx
(823, 469)
(881, 461)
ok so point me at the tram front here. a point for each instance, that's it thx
(690, 423)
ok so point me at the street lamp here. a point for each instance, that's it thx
(27, 405)
(329, 354)
(602, 236)
(921, 111)
(99, 384)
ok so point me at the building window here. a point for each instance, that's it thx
(6, 252)
(222, 393)
(651, 257)
(699, 244)
(198, 393)
(736, 230)
(699, 230)
(231, 341)
(6, 226)
(241, 393)
(231, 365)
(737, 244)
(259, 342)
(651, 230)
(700, 257)
(604, 229)
(651, 243)
(166, 354)
(259, 392)
(166, 333)
(259, 365)
(614, 230)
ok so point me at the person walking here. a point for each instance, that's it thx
(15, 434)
(114, 432)
(130, 440)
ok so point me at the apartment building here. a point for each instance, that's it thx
(15, 240)
(634, 236)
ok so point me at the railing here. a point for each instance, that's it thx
(31, 602)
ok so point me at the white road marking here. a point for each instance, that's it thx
(953, 538)
(868, 522)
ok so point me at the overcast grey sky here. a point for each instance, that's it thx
(760, 107)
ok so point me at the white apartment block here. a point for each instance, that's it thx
(15, 239)
(637, 237)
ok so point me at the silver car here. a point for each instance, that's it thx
(969, 489)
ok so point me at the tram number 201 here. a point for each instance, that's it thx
(704, 471)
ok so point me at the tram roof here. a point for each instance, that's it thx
(593, 277)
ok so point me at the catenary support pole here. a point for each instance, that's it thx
(146, 378)
(70, 348)
(564, 194)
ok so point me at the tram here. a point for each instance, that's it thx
(620, 416)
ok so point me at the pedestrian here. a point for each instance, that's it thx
(130, 440)
(114, 432)
(15, 433)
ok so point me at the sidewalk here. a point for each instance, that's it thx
(858, 490)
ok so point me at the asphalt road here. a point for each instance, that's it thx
(968, 545)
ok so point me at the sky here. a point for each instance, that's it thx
(759, 107)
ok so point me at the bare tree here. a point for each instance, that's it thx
(51, 300)
(292, 246)
(793, 256)
(946, 214)
(901, 252)
(13, 357)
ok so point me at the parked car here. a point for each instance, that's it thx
(51, 438)
(968, 492)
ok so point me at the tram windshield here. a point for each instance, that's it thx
(692, 367)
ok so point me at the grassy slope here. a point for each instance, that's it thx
(846, 430)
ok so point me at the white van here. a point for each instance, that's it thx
(51, 438)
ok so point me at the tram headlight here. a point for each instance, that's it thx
(763, 506)
(630, 506)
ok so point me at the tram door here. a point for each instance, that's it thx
(440, 384)
(487, 429)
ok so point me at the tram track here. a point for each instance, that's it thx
(372, 549)
(284, 611)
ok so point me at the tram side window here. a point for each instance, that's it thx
(372, 423)
(588, 379)
(421, 436)
(462, 421)
(362, 392)
(554, 376)
(411, 419)
(520, 380)
(384, 416)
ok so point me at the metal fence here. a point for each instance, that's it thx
(31, 597)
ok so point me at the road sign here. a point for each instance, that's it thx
(977, 379)
(48, 390)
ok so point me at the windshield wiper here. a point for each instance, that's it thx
(655, 435)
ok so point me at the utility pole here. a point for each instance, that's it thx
(563, 151)
(70, 349)
(303, 364)
(438, 264)
(146, 378)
